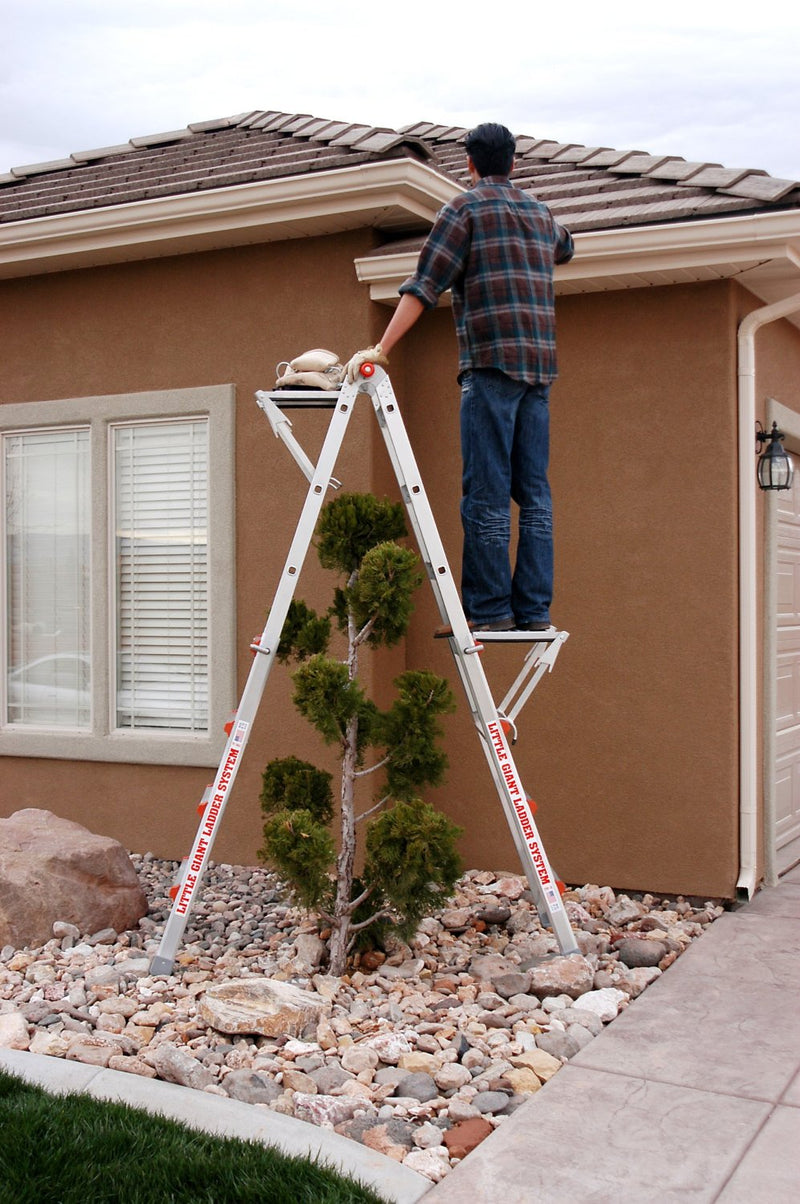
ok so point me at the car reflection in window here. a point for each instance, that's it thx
(51, 691)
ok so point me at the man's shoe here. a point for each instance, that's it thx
(445, 633)
(536, 625)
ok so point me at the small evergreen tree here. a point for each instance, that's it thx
(411, 862)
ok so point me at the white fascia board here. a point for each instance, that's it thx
(682, 244)
(603, 254)
(220, 216)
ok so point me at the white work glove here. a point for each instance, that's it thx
(372, 355)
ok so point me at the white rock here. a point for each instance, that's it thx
(13, 1031)
(604, 1003)
(427, 1135)
(389, 1047)
(433, 1163)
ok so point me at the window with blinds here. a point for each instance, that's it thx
(47, 543)
(160, 502)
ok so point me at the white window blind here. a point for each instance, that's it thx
(162, 621)
(47, 520)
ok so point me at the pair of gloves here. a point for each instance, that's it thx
(371, 355)
(320, 369)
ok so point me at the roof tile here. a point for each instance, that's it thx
(678, 169)
(37, 169)
(579, 154)
(351, 134)
(102, 152)
(720, 177)
(762, 188)
(588, 187)
(160, 139)
(641, 165)
(610, 158)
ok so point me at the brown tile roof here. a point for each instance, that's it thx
(588, 188)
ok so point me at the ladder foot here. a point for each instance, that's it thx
(161, 965)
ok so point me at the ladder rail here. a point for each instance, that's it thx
(517, 807)
(265, 649)
(515, 803)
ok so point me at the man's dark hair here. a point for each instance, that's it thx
(491, 148)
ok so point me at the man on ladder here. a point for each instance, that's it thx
(495, 247)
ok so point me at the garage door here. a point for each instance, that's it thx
(787, 734)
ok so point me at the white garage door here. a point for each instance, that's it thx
(787, 717)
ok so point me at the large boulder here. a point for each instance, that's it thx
(53, 869)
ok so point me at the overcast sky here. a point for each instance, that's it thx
(712, 81)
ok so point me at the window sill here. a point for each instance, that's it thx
(133, 748)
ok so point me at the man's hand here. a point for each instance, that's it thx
(371, 355)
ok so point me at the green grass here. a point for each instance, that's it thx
(72, 1149)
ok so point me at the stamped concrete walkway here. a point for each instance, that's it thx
(693, 1094)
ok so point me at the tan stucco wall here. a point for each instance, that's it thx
(226, 316)
(630, 747)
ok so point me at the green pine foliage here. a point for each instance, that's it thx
(327, 698)
(410, 731)
(351, 525)
(294, 785)
(382, 592)
(302, 850)
(411, 861)
(304, 633)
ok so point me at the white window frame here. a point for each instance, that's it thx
(102, 742)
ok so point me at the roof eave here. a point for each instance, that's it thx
(636, 256)
(385, 193)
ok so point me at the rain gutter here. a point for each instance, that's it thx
(748, 580)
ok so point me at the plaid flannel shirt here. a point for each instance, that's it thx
(495, 247)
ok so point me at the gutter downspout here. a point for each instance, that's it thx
(748, 577)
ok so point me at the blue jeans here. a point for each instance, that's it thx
(505, 438)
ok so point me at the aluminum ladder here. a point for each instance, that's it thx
(495, 725)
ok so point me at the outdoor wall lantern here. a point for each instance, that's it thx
(775, 467)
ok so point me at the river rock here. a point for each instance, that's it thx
(327, 1109)
(329, 1077)
(419, 1086)
(261, 1005)
(177, 1065)
(638, 951)
(52, 869)
(572, 975)
(433, 1163)
(604, 1002)
(13, 1031)
(490, 1101)
(559, 1044)
(464, 1137)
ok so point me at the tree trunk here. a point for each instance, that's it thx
(347, 855)
(342, 911)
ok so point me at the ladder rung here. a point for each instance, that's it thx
(516, 637)
(304, 399)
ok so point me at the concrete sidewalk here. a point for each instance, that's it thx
(692, 1094)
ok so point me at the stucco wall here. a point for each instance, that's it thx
(629, 747)
(226, 316)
